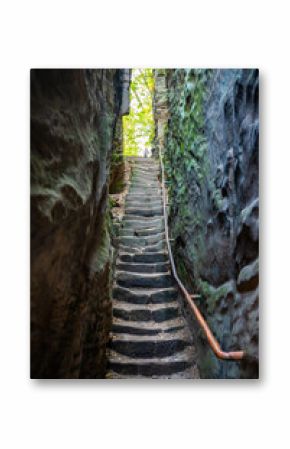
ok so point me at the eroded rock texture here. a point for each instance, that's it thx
(160, 107)
(117, 176)
(211, 155)
(73, 120)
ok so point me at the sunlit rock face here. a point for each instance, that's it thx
(211, 153)
(160, 108)
(117, 163)
(73, 120)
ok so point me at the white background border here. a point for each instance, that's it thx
(85, 414)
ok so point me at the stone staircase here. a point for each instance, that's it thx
(150, 337)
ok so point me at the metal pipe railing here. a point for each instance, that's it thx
(234, 355)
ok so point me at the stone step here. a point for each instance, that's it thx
(189, 373)
(138, 175)
(148, 167)
(144, 280)
(143, 267)
(149, 191)
(140, 241)
(149, 312)
(146, 328)
(142, 197)
(145, 296)
(143, 241)
(142, 203)
(146, 189)
(145, 232)
(149, 170)
(145, 346)
(155, 248)
(142, 222)
(145, 179)
(144, 211)
(129, 249)
(135, 160)
(147, 184)
(144, 258)
(153, 366)
(143, 183)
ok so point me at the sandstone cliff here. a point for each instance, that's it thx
(74, 117)
(211, 150)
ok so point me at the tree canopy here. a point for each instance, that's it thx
(138, 126)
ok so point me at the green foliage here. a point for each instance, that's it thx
(186, 157)
(212, 295)
(186, 144)
(138, 126)
(102, 255)
(217, 199)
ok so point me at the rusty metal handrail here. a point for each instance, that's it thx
(234, 355)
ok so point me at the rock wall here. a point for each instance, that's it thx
(211, 154)
(118, 163)
(74, 116)
(160, 108)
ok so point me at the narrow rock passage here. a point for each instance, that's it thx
(150, 337)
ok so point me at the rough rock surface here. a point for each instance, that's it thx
(117, 175)
(211, 152)
(160, 107)
(73, 117)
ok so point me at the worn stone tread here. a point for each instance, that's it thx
(141, 240)
(150, 280)
(143, 250)
(146, 314)
(161, 267)
(144, 212)
(160, 256)
(144, 296)
(128, 306)
(142, 327)
(142, 197)
(189, 373)
(153, 366)
(134, 204)
(142, 222)
(168, 336)
(142, 232)
(144, 346)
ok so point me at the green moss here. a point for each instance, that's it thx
(102, 255)
(186, 146)
(112, 202)
(217, 199)
(209, 365)
(212, 295)
(183, 272)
